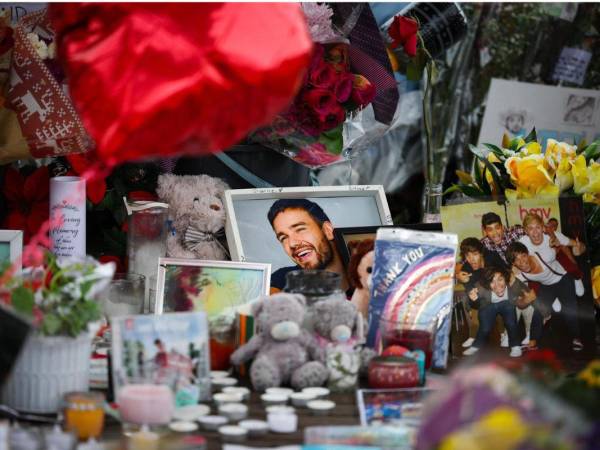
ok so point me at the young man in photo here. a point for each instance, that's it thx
(306, 235)
(497, 238)
(554, 283)
(468, 273)
(545, 246)
(494, 296)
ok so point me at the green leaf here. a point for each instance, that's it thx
(493, 171)
(416, 66)
(592, 151)
(531, 137)
(496, 151)
(485, 186)
(51, 324)
(469, 191)
(22, 300)
(333, 140)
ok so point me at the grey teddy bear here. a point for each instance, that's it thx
(338, 323)
(283, 351)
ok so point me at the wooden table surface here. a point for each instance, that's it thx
(345, 413)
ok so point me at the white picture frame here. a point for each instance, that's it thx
(249, 233)
(11, 240)
(163, 263)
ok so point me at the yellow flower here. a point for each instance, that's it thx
(464, 177)
(586, 179)
(531, 148)
(596, 284)
(564, 176)
(530, 177)
(556, 152)
(501, 429)
(591, 374)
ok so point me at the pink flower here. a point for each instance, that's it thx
(363, 92)
(316, 155)
(343, 87)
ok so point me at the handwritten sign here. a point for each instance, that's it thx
(67, 212)
(572, 65)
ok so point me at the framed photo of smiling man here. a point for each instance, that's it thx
(292, 228)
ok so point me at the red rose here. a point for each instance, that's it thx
(320, 101)
(343, 87)
(333, 118)
(323, 76)
(403, 31)
(363, 92)
(317, 57)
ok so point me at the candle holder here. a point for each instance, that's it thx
(84, 414)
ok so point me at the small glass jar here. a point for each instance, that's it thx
(146, 237)
(315, 285)
(84, 414)
(391, 372)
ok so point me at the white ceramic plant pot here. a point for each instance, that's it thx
(47, 368)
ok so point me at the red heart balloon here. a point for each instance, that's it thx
(166, 78)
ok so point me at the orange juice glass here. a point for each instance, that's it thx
(84, 414)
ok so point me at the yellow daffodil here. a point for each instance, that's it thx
(530, 177)
(564, 175)
(501, 429)
(531, 148)
(592, 198)
(596, 284)
(591, 374)
(586, 179)
(556, 152)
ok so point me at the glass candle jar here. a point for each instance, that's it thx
(84, 414)
(146, 404)
(391, 372)
(315, 285)
(412, 336)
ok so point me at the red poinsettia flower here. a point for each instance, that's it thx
(27, 200)
(403, 31)
(94, 189)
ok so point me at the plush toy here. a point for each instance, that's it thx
(360, 269)
(197, 215)
(283, 351)
(340, 332)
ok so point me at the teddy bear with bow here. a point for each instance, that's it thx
(196, 215)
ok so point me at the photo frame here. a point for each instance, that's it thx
(218, 288)
(344, 235)
(549, 281)
(391, 406)
(251, 237)
(11, 246)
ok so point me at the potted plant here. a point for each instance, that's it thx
(61, 299)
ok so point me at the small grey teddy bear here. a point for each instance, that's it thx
(337, 322)
(283, 351)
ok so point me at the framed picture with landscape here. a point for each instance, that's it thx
(218, 288)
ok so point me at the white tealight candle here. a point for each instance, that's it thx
(227, 397)
(282, 423)
(234, 411)
(255, 427)
(220, 383)
(302, 398)
(279, 391)
(212, 422)
(320, 407)
(244, 391)
(274, 399)
(318, 392)
(233, 433)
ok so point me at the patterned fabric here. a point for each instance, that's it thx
(194, 238)
(368, 57)
(45, 113)
(511, 235)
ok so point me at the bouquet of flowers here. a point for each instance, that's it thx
(61, 297)
(311, 130)
(518, 168)
(529, 404)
